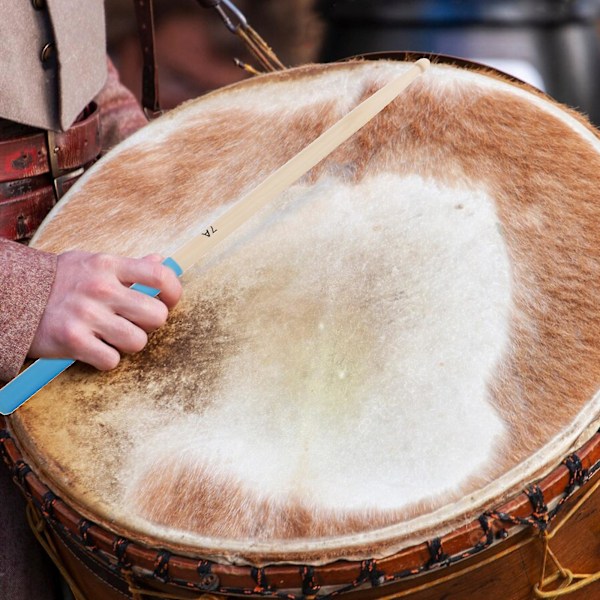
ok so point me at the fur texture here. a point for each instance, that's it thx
(396, 335)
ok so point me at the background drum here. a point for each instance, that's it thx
(377, 377)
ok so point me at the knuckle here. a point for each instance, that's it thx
(100, 289)
(84, 313)
(162, 313)
(158, 314)
(159, 274)
(131, 338)
(73, 338)
(102, 262)
(177, 290)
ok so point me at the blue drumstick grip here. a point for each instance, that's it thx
(168, 262)
(44, 370)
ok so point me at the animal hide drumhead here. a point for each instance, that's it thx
(401, 340)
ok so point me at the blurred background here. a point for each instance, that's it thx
(552, 44)
(195, 51)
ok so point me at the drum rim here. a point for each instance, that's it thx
(445, 59)
(468, 64)
(528, 509)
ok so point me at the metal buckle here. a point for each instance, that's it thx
(59, 178)
(60, 182)
(237, 13)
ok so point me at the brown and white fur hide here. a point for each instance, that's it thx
(410, 333)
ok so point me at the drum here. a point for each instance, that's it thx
(384, 384)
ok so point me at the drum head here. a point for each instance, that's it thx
(400, 340)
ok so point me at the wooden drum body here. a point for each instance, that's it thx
(384, 384)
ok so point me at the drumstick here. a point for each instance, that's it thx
(293, 169)
(42, 371)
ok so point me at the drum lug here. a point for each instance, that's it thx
(209, 583)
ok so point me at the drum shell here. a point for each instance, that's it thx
(287, 580)
(507, 570)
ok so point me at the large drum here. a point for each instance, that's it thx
(385, 384)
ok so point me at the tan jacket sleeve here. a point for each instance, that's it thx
(26, 278)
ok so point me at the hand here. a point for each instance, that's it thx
(92, 315)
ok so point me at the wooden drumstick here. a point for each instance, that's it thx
(296, 167)
(42, 371)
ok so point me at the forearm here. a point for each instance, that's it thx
(26, 277)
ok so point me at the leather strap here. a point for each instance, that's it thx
(27, 154)
(24, 204)
(22, 214)
(150, 94)
(38, 167)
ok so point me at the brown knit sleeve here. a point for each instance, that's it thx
(120, 112)
(26, 278)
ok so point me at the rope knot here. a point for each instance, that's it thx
(161, 565)
(437, 554)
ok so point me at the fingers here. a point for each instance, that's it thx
(149, 271)
(82, 345)
(122, 334)
(146, 312)
(99, 341)
(99, 355)
(92, 314)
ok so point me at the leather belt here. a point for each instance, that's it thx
(38, 167)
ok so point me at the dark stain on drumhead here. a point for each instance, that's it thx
(192, 341)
